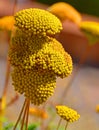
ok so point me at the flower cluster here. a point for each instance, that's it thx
(7, 23)
(36, 57)
(67, 113)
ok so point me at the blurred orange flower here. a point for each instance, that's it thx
(65, 11)
(97, 108)
(6, 23)
(38, 113)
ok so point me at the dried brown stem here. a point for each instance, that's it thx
(19, 118)
(7, 77)
(24, 115)
(27, 114)
(12, 100)
(8, 63)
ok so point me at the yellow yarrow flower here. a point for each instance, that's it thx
(65, 11)
(7, 22)
(91, 31)
(36, 57)
(38, 22)
(67, 113)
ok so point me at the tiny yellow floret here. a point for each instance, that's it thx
(67, 113)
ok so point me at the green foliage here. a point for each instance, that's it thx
(33, 127)
(8, 126)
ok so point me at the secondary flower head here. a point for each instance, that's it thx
(65, 11)
(91, 30)
(67, 113)
(38, 22)
(7, 22)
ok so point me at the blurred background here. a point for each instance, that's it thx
(83, 94)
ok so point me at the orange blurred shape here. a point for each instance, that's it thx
(38, 112)
(97, 108)
(7, 22)
(65, 11)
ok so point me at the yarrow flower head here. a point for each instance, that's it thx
(91, 30)
(67, 113)
(65, 11)
(36, 57)
(38, 22)
(6, 23)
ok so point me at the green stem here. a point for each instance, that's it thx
(59, 123)
(66, 125)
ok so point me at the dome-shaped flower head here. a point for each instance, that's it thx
(67, 113)
(65, 11)
(7, 22)
(38, 22)
(91, 31)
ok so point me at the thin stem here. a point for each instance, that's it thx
(81, 61)
(66, 125)
(12, 100)
(14, 7)
(7, 77)
(8, 63)
(20, 115)
(59, 123)
(27, 114)
(24, 115)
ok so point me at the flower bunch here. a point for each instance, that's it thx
(37, 58)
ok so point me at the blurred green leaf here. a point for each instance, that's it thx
(33, 126)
